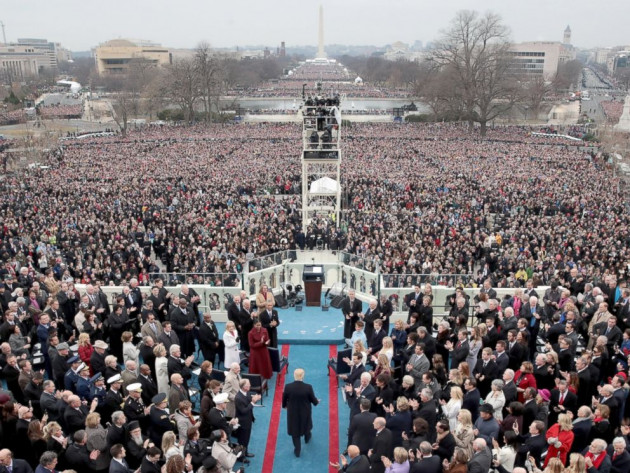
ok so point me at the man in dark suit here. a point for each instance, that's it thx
(176, 365)
(77, 455)
(516, 351)
(150, 462)
(351, 308)
(565, 357)
(76, 413)
(361, 431)
(460, 350)
(178, 392)
(183, 322)
(597, 450)
(533, 444)
(561, 401)
(501, 357)
(209, 341)
(544, 373)
(492, 335)
(530, 408)
(149, 386)
(582, 429)
(485, 371)
(375, 342)
(357, 368)
(414, 300)
(11, 374)
(427, 410)
(481, 459)
(611, 331)
(297, 399)
(269, 320)
(607, 398)
(427, 462)
(14, 465)
(383, 446)
(233, 309)
(619, 456)
(118, 463)
(362, 389)
(168, 336)
(355, 463)
(509, 388)
(244, 404)
(371, 314)
(471, 398)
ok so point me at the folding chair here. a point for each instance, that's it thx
(257, 384)
(278, 363)
(339, 366)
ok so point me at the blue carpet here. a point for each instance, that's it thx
(314, 457)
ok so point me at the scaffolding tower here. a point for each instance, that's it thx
(321, 161)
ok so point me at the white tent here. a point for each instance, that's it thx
(325, 185)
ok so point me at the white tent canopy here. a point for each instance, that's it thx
(325, 185)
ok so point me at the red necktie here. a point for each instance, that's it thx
(562, 398)
(459, 344)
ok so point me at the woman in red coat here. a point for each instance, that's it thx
(560, 438)
(524, 378)
(259, 360)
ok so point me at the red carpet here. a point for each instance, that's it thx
(274, 423)
(333, 414)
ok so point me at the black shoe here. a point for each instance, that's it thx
(245, 461)
(250, 455)
(296, 451)
(307, 437)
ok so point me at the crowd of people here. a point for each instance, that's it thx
(535, 382)
(82, 394)
(106, 205)
(60, 111)
(612, 109)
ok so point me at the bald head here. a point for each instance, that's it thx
(353, 451)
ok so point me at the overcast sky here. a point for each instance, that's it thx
(81, 25)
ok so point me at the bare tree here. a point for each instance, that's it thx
(534, 90)
(210, 72)
(476, 50)
(183, 86)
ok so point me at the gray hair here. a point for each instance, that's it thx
(366, 375)
(510, 373)
(117, 415)
(47, 458)
(425, 448)
(599, 443)
(173, 348)
(619, 440)
(498, 383)
(408, 379)
(426, 392)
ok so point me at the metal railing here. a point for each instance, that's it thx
(208, 279)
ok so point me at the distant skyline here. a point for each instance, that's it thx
(80, 25)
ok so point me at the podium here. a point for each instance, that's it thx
(313, 279)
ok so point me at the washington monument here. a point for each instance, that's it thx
(321, 54)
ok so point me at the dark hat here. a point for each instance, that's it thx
(96, 377)
(159, 398)
(487, 408)
(209, 462)
(134, 424)
(74, 359)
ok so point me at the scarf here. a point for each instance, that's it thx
(598, 462)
